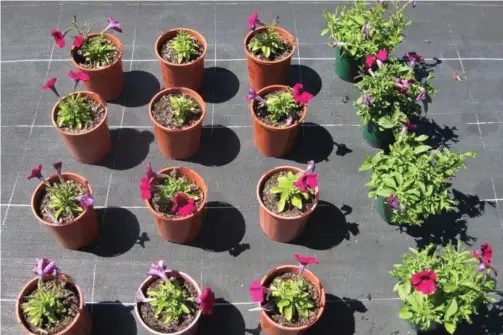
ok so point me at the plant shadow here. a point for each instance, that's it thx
(112, 317)
(424, 68)
(306, 76)
(327, 227)
(313, 143)
(226, 319)
(118, 232)
(139, 88)
(437, 135)
(219, 85)
(451, 226)
(223, 228)
(489, 321)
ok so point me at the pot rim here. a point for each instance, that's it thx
(260, 29)
(185, 277)
(33, 281)
(92, 96)
(175, 219)
(269, 127)
(41, 187)
(192, 32)
(193, 94)
(270, 172)
(114, 39)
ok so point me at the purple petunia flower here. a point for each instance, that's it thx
(367, 100)
(158, 270)
(113, 24)
(393, 201)
(252, 95)
(45, 267)
(85, 201)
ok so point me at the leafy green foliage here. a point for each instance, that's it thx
(183, 106)
(97, 51)
(417, 175)
(289, 193)
(44, 306)
(62, 199)
(460, 287)
(185, 47)
(291, 298)
(74, 112)
(172, 300)
(345, 25)
(267, 43)
(281, 106)
(171, 186)
(390, 108)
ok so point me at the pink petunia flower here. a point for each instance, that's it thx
(299, 95)
(182, 205)
(485, 255)
(257, 291)
(206, 301)
(145, 188)
(307, 181)
(424, 282)
(59, 38)
(253, 21)
(78, 41)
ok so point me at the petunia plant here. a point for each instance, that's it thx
(413, 178)
(95, 51)
(66, 199)
(183, 106)
(268, 43)
(173, 194)
(281, 108)
(390, 93)
(185, 47)
(361, 30)
(444, 288)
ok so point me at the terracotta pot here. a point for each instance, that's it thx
(265, 73)
(269, 327)
(192, 328)
(274, 141)
(188, 75)
(81, 324)
(178, 143)
(89, 146)
(108, 82)
(181, 230)
(71, 235)
(276, 227)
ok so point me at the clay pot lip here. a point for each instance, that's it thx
(291, 268)
(272, 88)
(33, 282)
(41, 187)
(147, 281)
(177, 89)
(198, 210)
(192, 32)
(93, 96)
(260, 29)
(267, 175)
(114, 39)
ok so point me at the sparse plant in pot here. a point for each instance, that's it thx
(81, 118)
(177, 114)
(176, 197)
(390, 95)
(99, 55)
(269, 50)
(291, 298)
(171, 302)
(52, 303)
(277, 112)
(287, 196)
(63, 203)
(360, 31)
(181, 55)
(444, 288)
(411, 182)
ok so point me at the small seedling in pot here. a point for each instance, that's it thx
(184, 48)
(268, 44)
(64, 200)
(176, 110)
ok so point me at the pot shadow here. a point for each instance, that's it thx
(313, 143)
(118, 232)
(306, 76)
(327, 227)
(437, 135)
(449, 227)
(112, 317)
(226, 319)
(217, 149)
(489, 321)
(219, 85)
(223, 228)
(139, 88)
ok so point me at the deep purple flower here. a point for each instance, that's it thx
(367, 100)
(409, 126)
(402, 85)
(85, 201)
(45, 267)
(307, 181)
(36, 173)
(393, 201)
(158, 270)
(421, 95)
(366, 30)
(58, 166)
(113, 24)
(413, 58)
(252, 95)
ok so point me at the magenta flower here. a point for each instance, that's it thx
(206, 301)
(150, 173)
(78, 41)
(145, 188)
(402, 85)
(307, 181)
(393, 201)
(45, 267)
(58, 166)
(85, 201)
(366, 30)
(113, 24)
(253, 21)
(257, 291)
(36, 173)
(252, 95)
(413, 58)
(78, 76)
(485, 255)
(300, 96)
(409, 126)
(182, 205)
(305, 261)
(370, 61)
(424, 282)
(421, 95)
(59, 38)
(382, 55)
(367, 100)
(51, 85)
(158, 270)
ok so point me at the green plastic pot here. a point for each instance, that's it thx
(384, 210)
(347, 67)
(381, 139)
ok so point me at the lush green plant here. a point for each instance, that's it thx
(415, 176)
(44, 305)
(96, 51)
(291, 298)
(455, 286)
(360, 31)
(185, 47)
(267, 43)
(171, 300)
(170, 186)
(281, 106)
(64, 198)
(183, 106)
(75, 112)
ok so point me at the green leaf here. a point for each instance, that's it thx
(288, 313)
(450, 327)
(421, 138)
(453, 308)
(405, 313)
(276, 189)
(282, 202)
(386, 192)
(390, 182)
(297, 201)
(421, 148)
(283, 303)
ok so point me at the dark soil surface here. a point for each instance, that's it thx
(147, 313)
(98, 115)
(156, 197)
(70, 299)
(271, 200)
(260, 110)
(273, 57)
(112, 56)
(169, 54)
(164, 113)
(43, 206)
(278, 318)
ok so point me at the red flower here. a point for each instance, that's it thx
(182, 205)
(78, 41)
(145, 188)
(50, 84)
(424, 282)
(485, 255)
(307, 181)
(257, 291)
(36, 173)
(370, 61)
(59, 37)
(299, 96)
(207, 300)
